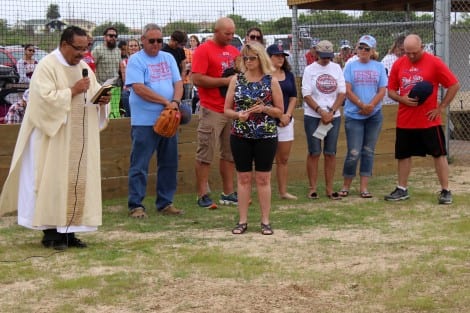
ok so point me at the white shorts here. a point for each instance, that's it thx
(286, 133)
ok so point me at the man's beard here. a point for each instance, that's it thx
(111, 45)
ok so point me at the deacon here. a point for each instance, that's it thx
(54, 180)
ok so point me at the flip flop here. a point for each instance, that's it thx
(335, 196)
(343, 193)
(366, 195)
(313, 195)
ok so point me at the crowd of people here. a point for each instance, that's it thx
(247, 100)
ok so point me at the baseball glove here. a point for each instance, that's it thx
(168, 122)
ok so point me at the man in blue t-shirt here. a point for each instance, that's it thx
(155, 82)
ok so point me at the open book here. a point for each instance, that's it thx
(103, 91)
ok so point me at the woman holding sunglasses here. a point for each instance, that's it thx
(254, 101)
(366, 82)
(27, 64)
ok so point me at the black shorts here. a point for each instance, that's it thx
(261, 151)
(420, 142)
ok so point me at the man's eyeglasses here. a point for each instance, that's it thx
(79, 49)
(254, 37)
(112, 35)
(363, 48)
(250, 57)
(157, 40)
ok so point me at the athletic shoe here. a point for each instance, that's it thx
(445, 197)
(397, 195)
(229, 199)
(206, 202)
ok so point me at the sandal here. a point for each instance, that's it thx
(313, 196)
(266, 229)
(138, 213)
(366, 195)
(335, 196)
(240, 228)
(343, 193)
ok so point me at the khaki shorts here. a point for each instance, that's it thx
(213, 131)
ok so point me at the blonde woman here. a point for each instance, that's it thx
(133, 46)
(254, 102)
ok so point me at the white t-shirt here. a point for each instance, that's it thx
(323, 83)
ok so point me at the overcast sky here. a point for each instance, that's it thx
(136, 13)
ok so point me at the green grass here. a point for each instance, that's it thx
(353, 255)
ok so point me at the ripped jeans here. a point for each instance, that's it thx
(361, 137)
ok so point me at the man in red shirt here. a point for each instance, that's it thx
(419, 131)
(211, 62)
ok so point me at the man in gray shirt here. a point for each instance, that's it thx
(107, 56)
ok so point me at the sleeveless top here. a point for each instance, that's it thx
(258, 125)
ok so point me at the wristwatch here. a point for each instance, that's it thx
(178, 102)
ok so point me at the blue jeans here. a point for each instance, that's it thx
(125, 102)
(144, 143)
(361, 137)
(329, 142)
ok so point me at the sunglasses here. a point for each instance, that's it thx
(31, 50)
(250, 57)
(254, 37)
(79, 49)
(153, 40)
(112, 35)
(363, 48)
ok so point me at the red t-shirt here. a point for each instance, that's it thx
(310, 58)
(212, 59)
(404, 75)
(88, 58)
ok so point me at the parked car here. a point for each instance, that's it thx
(8, 75)
(236, 41)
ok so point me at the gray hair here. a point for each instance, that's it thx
(149, 27)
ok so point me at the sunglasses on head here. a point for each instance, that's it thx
(157, 40)
(250, 57)
(364, 48)
(254, 37)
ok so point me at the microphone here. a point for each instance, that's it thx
(84, 74)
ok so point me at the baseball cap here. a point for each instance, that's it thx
(422, 90)
(344, 44)
(314, 42)
(276, 49)
(368, 40)
(186, 111)
(325, 49)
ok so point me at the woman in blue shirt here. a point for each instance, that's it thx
(366, 82)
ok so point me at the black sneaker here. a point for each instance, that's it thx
(445, 197)
(397, 195)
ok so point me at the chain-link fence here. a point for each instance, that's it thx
(40, 23)
(459, 112)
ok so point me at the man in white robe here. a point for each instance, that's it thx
(54, 180)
